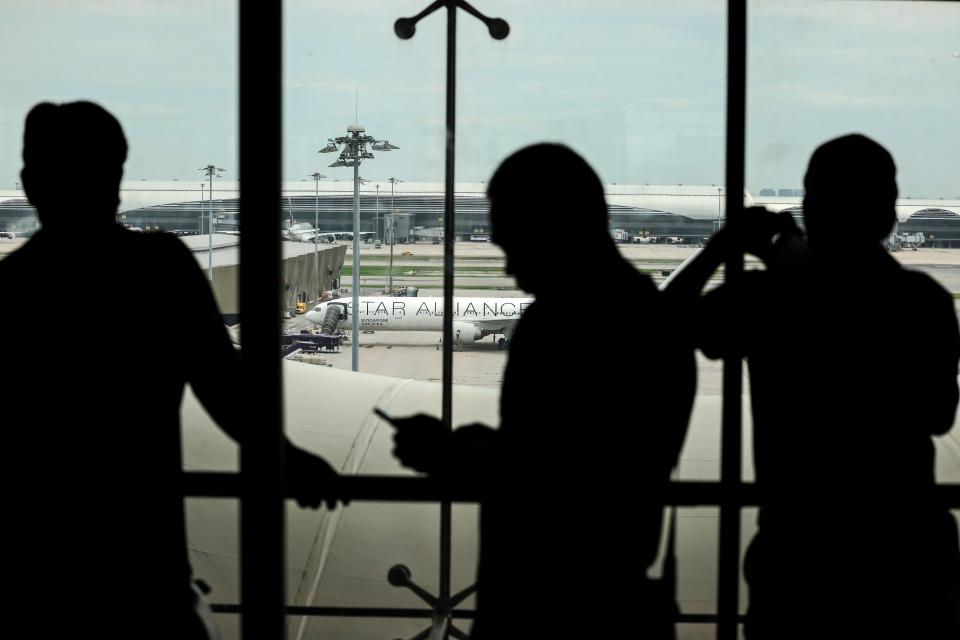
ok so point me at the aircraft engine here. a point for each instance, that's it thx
(465, 333)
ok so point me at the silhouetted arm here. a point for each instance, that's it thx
(774, 238)
(717, 322)
(422, 443)
(213, 371)
(212, 362)
(703, 319)
(688, 283)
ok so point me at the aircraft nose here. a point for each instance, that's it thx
(313, 316)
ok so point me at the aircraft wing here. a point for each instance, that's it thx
(499, 325)
(335, 235)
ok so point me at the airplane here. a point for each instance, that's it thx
(298, 231)
(305, 232)
(474, 318)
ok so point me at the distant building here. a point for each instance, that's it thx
(767, 192)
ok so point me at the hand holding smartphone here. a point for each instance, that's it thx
(384, 415)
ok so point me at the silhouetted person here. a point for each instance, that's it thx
(101, 328)
(852, 541)
(574, 477)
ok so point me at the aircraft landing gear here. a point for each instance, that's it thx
(502, 344)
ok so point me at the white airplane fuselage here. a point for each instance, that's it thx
(473, 317)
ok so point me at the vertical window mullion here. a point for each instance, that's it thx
(731, 445)
(446, 524)
(261, 453)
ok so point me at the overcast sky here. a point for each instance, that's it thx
(637, 87)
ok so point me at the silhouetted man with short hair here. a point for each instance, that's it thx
(101, 329)
(575, 475)
(852, 540)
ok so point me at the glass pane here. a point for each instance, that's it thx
(818, 71)
(839, 75)
(662, 188)
(393, 89)
(638, 90)
(167, 70)
(177, 104)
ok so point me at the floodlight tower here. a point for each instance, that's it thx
(353, 150)
(316, 225)
(393, 222)
(210, 171)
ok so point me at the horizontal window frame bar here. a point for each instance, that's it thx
(352, 612)
(384, 488)
(386, 612)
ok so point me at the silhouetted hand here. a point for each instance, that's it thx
(311, 480)
(420, 442)
(755, 230)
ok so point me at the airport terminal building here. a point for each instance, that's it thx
(687, 212)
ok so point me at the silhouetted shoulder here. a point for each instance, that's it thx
(929, 308)
(925, 287)
(166, 262)
(168, 249)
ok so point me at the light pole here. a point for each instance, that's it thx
(388, 221)
(354, 150)
(200, 217)
(210, 170)
(393, 226)
(719, 200)
(316, 225)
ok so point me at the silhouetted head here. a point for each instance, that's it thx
(851, 193)
(538, 195)
(73, 157)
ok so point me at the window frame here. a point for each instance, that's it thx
(259, 483)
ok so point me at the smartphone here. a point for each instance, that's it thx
(383, 414)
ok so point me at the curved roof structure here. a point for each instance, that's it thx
(426, 199)
(934, 213)
(693, 202)
(906, 207)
